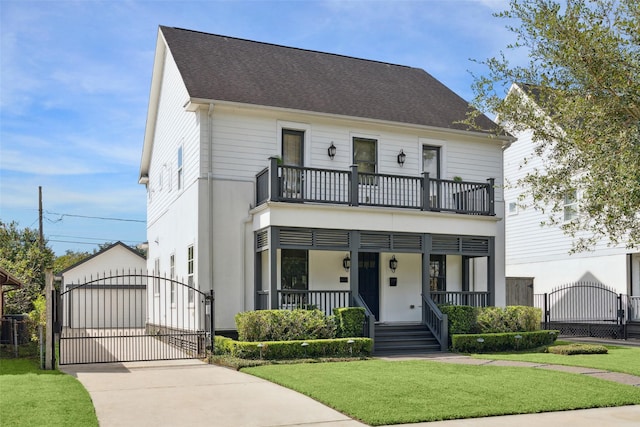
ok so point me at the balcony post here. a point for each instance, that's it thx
(426, 190)
(492, 199)
(274, 187)
(353, 188)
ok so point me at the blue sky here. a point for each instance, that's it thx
(75, 79)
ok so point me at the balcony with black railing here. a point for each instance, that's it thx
(280, 183)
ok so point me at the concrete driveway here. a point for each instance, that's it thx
(191, 393)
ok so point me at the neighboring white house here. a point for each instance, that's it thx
(542, 252)
(283, 177)
(106, 292)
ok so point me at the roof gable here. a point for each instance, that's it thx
(101, 252)
(215, 67)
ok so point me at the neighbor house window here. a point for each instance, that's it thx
(190, 282)
(365, 156)
(172, 273)
(431, 161)
(295, 269)
(156, 276)
(180, 177)
(437, 273)
(570, 206)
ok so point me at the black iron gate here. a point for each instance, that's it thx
(584, 309)
(132, 317)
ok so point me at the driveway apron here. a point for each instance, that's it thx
(179, 393)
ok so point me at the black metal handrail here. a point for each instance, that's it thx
(326, 301)
(301, 184)
(436, 321)
(369, 327)
(474, 299)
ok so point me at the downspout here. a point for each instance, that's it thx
(210, 195)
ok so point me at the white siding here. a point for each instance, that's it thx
(542, 252)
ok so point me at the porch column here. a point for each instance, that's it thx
(257, 274)
(491, 272)
(354, 245)
(274, 240)
(426, 262)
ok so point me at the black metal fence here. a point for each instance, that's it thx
(132, 317)
(584, 309)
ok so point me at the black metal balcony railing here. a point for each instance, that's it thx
(300, 184)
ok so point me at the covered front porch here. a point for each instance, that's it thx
(398, 278)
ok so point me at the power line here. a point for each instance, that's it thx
(81, 243)
(62, 215)
(99, 239)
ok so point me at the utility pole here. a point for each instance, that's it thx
(41, 235)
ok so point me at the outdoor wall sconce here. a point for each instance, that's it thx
(346, 263)
(331, 151)
(401, 157)
(393, 263)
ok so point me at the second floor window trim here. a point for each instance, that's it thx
(180, 171)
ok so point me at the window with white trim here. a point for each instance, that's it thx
(513, 208)
(180, 171)
(570, 208)
(172, 273)
(156, 276)
(190, 269)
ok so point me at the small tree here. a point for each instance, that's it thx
(582, 103)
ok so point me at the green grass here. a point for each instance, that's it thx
(33, 397)
(388, 392)
(618, 359)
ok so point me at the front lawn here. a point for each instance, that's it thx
(32, 397)
(618, 359)
(388, 392)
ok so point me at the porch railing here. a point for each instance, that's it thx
(436, 321)
(369, 327)
(474, 299)
(301, 184)
(634, 308)
(326, 301)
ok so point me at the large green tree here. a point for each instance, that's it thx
(22, 255)
(582, 103)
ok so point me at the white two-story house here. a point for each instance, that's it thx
(282, 177)
(543, 253)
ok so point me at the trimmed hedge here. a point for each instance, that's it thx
(515, 318)
(349, 321)
(462, 318)
(571, 349)
(488, 343)
(339, 347)
(284, 325)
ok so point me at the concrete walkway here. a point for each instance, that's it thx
(177, 393)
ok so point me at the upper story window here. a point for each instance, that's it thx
(180, 176)
(365, 154)
(431, 161)
(172, 274)
(292, 147)
(513, 208)
(570, 208)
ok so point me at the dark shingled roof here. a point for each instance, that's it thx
(229, 69)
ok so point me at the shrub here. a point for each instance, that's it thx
(509, 319)
(284, 325)
(571, 349)
(462, 318)
(349, 321)
(338, 347)
(487, 343)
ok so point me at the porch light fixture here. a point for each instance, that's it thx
(393, 263)
(331, 151)
(346, 262)
(401, 157)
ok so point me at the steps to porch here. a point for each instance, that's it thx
(398, 339)
(633, 329)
